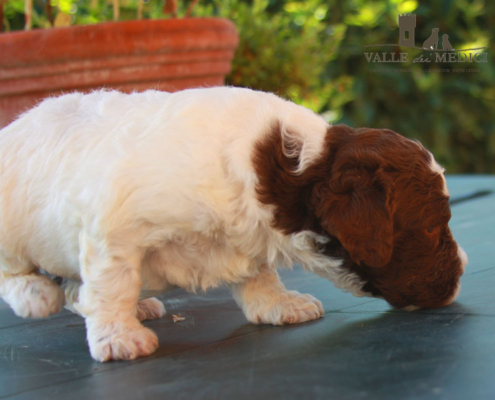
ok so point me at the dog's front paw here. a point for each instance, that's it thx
(151, 308)
(119, 341)
(288, 308)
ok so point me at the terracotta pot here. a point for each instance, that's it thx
(169, 55)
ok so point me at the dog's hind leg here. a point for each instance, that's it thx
(29, 293)
(265, 300)
(150, 308)
(71, 289)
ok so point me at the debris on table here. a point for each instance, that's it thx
(177, 318)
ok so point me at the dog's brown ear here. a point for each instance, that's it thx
(355, 206)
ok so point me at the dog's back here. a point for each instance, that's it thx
(114, 160)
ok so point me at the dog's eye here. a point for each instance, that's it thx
(433, 229)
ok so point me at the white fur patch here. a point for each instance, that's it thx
(147, 191)
(464, 258)
(304, 246)
(437, 168)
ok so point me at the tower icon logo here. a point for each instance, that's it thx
(407, 37)
(407, 29)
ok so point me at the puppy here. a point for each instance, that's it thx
(124, 195)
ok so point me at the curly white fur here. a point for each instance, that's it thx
(149, 191)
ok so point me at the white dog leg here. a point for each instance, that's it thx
(265, 300)
(71, 291)
(29, 294)
(147, 309)
(151, 308)
(108, 300)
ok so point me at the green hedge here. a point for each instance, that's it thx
(312, 52)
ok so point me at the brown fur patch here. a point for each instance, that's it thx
(374, 193)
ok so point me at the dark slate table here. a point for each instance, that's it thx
(361, 349)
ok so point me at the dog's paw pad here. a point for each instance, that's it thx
(120, 342)
(151, 308)
(292, 308)
(33, 296)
